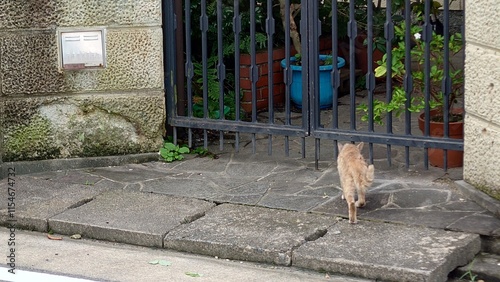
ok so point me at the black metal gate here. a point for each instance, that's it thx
(204, 40)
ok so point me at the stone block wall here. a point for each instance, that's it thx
(51, 113)
(482, 96)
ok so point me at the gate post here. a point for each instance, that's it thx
(309, 33)
(168, 27)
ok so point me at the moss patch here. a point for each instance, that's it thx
(107, 141)
(495, 193)
(30, 142)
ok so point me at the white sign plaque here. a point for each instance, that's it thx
(82, 49)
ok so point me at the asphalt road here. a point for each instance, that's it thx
(37, 258)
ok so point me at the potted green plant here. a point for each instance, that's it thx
(325, 61)
(437, 102)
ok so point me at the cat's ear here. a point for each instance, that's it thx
(360, 146)
(340, 146)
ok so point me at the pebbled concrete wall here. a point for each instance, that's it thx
(482, 96)
(51, 113)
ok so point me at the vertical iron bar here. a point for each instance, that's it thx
(408, 79)
(189, 67)
(335, 74)
(446, 86)
(287, 72)
(204, 58)
(314, 89)
(303, 147)
(205, 138)
(179, 35)
(306, 61)
(237, 93)
(426, 37)
(169, 60)
(313, 29)
(270, 29)
(352, 34)
(221, 70)
(317, 152)
(389, 36)
(253, 69)
(370, 76)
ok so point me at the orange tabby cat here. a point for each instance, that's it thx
(355, 176)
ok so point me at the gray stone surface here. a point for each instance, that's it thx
(483, 224)
(128, 173)
(484, 266)
(134, 218)
(491, 245)
(248, 233)
(45, 14)
(83, 125)
(432, 218)
(388, 252)
(117, 110)
(29, 63)
(479, 197)
(259, 184)
(258, 219)
(37, 199)
(47, 166)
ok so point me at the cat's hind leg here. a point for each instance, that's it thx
(349, 197)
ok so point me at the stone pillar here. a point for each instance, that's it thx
(53, 113)
(482, 96)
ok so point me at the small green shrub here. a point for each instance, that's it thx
(171, 152)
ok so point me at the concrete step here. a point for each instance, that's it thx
(388, 252)
(129, 217)
(484, 267)
(372, 250)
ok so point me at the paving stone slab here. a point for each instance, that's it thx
(37, 199)
(337, 206)
(479, 197)
(222, 190)
(485, 266)
(388, 252)
(291, 202)
(483, 224)
(129, 173)
(430, 218)
(129, 217)
(248, 233)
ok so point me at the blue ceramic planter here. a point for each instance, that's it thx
(325, 84)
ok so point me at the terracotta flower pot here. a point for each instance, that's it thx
(456, 130)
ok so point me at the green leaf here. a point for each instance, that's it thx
(164, 153)
(169, 146)
(161, 262)
(164, 262)
(194, 274)
(184, 150)
(380, 71)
